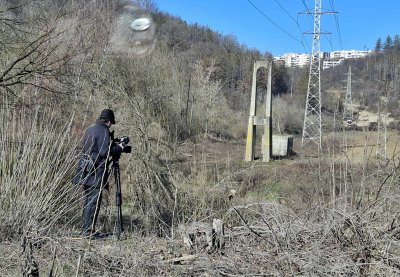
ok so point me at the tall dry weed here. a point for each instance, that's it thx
(37, 156)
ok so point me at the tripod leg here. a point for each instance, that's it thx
(118, 199)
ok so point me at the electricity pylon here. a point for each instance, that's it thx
(348, 102)
(382, 116)
(312, 128)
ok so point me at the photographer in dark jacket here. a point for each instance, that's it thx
(92, 169)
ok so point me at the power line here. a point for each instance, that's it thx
(283, 8)
(274, 23)
(309, 13)
(330, 42)
(310, 18)
(295, 21)
(337, 24)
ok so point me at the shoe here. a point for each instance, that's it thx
(94, 236)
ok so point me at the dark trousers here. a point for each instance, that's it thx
(90, 209)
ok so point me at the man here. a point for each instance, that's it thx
(92, 169)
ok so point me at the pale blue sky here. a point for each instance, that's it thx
(361, 22)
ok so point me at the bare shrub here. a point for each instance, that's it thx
(317, 242)
(287, 116)
(37, 152)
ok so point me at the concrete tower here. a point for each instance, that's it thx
(255, 120)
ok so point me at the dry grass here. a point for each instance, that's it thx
(274, 242)
(38, 155)
(302, 217)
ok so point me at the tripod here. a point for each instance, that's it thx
(118, 196)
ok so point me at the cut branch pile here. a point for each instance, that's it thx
(276, 241)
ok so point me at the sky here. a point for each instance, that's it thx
(279, 26)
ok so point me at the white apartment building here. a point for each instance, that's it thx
(331, 63)
(337, 57)
(329, 59)
(294, 59)
(349, 54)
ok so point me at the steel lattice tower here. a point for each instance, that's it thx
(382, 114)
(348, 102)
(312, 116)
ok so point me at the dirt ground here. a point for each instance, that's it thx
(364, 144)
(356, 146)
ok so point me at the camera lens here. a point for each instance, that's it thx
(127, 149)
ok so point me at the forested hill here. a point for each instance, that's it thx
(191, 80)
(233, 69)
(83, 51)
(233, 61)
(377, 74)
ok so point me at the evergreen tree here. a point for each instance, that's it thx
(396, 44)
(378, 46)
(388, 43)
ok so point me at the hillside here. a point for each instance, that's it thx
(181, 93)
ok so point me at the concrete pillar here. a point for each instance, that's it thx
(254, 120)
(250, 142)
(267, 145)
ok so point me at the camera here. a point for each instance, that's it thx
(124, 141)
(121, 140)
